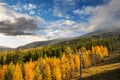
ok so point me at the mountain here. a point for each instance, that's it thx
(42, 43)
(4, 48)
(101, 33)
(106, 32)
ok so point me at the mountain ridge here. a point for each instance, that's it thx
(4, 48)
(95, 34)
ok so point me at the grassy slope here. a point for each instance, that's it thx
(108, 70)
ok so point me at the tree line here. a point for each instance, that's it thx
(28, 65)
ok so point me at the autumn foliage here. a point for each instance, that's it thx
(52, 68)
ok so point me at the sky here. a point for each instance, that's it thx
(26, 21)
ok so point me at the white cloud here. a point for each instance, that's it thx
(10, 16)
(32, 12)
(5, 9)
(60, 29)
(12, 41)
(85, 10)
(17, 7)
(59, 34)
(31, 6)
(60, 24)
(107, 15)
(25, 7)
(102, 16)
(69, 22)
(62, 7)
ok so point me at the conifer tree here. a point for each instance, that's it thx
(56, 73)
(47, 72)
(77, 62)
(28, 70)
(86, 61)
(10, 72)
(3, 70)
(38, 74)
(17, 73)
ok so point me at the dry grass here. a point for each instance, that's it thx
(99, 69)
(108, 70)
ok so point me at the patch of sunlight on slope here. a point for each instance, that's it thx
(107, 70)
(99, 69)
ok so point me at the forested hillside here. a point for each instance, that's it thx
(29, 64)
(106, 37)
(59, 61)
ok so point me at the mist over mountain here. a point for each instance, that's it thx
(103, 32)
(42, 43)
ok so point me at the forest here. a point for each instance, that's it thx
(48, 68)
(54, 62)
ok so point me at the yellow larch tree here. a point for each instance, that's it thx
(47, 72)
(98, 54)
(86, 60)
(3, 70)
(17, 73)
(28, 70)
(56, 73)
(72, 67)
(64, 66)
(77, 62)
(105, 51)
(38, 74)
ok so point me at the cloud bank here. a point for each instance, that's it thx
(102, 16)
(22, 26)
(13, 23)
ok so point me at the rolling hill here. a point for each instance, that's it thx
(3, 48)
(101, 33)
(41, 43)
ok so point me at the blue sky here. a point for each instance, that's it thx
(51, 10)
(25, 21)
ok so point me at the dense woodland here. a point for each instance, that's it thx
(13, 66)
(55, 62)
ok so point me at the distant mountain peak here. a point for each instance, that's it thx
(3, 48)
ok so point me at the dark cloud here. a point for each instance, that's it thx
(21, 26)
